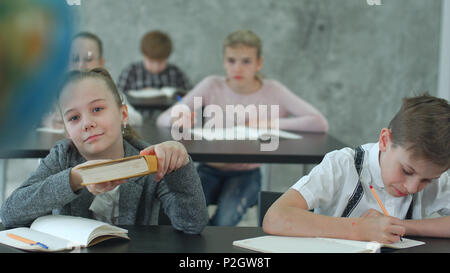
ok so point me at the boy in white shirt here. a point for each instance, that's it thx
(407, 168)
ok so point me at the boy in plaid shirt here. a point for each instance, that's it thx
(154, 71)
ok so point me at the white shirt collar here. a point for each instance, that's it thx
(374, 165)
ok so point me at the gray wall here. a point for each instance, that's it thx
(352, 61)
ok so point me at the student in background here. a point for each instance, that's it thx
(235, 187)
(96, 124)
(406, 168)
(154, 71)
(87, 53)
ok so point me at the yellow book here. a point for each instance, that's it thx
(118, 169)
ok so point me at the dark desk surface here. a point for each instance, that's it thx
(309, 150)
(34, 145)
(161, 103)
(165, 239)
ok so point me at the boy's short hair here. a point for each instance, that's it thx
(244, 37)
(423, 126)
(92, 36)
(156, 45)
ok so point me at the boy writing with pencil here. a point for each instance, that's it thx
(379, 191)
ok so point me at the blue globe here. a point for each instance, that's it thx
(34, 48)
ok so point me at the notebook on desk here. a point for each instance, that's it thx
(60, 232)
(241, 133)
(286, 244)
(50, 130)
(152, 93)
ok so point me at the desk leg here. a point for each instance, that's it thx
(3, 167)
(266, 170)
(304, 169)
(307, 168)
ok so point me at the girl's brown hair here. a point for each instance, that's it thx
(102, 74)
(423, 126)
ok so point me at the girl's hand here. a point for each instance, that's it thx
(375, 226)
(259, 124)
(171, 155)
(95, 189)
(100, 188)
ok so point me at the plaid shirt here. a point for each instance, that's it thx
(136, 77)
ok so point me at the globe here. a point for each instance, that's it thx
(35, 40)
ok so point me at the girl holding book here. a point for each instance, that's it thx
(95, 120)
(235, 187)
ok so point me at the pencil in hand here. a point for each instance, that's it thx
(380, 204)
(379, 201)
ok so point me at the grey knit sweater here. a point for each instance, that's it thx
(180, 193)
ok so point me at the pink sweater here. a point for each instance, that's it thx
(294, 113)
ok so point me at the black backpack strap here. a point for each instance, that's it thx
(358, 192)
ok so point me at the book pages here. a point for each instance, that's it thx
(78, 230)
(53, 243)
(152, 93)
(241, 133)
(286, 244)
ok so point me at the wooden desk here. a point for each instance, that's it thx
(165, 239)
(309, 150)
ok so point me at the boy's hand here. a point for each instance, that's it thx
(375, 226)
(171, 155)
(95, 189)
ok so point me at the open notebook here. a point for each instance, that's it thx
(285, 244)
(50, 130)
(241, 133)
(61, 232)
(152, 93)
